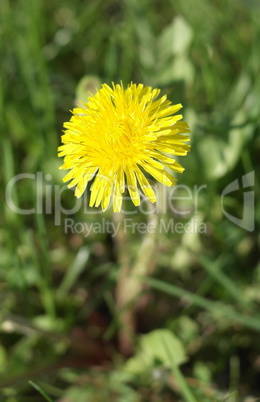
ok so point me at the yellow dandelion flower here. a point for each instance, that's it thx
(118, 137)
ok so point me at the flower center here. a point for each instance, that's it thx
(124, 141)
(119, 131)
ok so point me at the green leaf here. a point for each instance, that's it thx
(202, 372)
(186, 328)
(212, 152)
(86, 86)
(175, 38)
(179, 69)
(152, 351)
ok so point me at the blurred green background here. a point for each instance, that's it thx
(196, 309)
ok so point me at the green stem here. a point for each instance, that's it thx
(129, 284)
(41, 391)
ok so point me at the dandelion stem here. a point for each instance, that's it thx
(129, 286)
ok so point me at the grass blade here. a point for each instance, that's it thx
(41, 391)
(215, 307)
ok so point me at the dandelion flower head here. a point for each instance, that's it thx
(119, 137)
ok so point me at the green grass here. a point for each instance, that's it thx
(60, 324)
